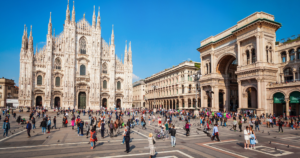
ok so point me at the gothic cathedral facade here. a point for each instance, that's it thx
(76, 69)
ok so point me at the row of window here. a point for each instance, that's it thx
(291, 54)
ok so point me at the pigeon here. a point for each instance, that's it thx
(14, 130)
(275, 148)
(58, 141)
(288, 146)
(274, 137)
(108, 141)
(270, 142)
(47, 137)
(33, 132)
(263, 131)
(280, 152)
(240, 136)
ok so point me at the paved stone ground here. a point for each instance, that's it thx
(65, 142)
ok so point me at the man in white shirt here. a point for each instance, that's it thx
(271, 122)
(246, 136)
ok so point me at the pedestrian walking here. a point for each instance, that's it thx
(246, 137)
(73, 122)
(173, 138)
(93, 138)
(28, 127)
(215, 133)
(240, 125)
(54, 122)
(151, 141)
(280, 123)
(252, 140)
(49, 124)
(81, 124)
(127, 140)
(187, 128)
(6, 127)
(102, 129)
(33, 123)
(44, 125)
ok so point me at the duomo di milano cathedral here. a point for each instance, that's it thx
(75, 69)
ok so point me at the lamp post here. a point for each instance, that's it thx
(154, 88)
(196, 78)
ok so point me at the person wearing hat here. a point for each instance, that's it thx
(6, 127)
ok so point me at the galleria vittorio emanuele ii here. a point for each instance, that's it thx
(75, 69)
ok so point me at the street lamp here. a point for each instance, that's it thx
(154, 88)
(196, 78)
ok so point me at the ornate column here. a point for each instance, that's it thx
(294, 75)
(239, 57)
(287, 56)
(287, 106)
(203, 95)
(259, 92)
(240, 94)
(257, 51)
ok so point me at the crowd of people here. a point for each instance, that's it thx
(112, 123)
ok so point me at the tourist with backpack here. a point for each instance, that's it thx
(111, 128)
(77, 124)
(93, 138)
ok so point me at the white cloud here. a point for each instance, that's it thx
(135, 78)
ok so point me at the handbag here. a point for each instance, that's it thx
(153, 141)
(256, 141)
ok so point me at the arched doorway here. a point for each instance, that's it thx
(104, 103)
(251, 97)
(228, 98)
(38, 102)
(279, 106)
(57, 102)
(143, 104)
(118, 103)
(81, 100)
(294, 109)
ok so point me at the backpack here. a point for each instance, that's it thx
(99, 124)
(111, 126)
(94, 135)
(66, 121)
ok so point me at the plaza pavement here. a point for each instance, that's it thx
(64, 142)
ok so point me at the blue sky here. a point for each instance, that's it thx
(163, 32)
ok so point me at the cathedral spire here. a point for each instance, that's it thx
(73, 13)
(129, 53)
(67, 14)
(98, 19)
(94, 19)
(126, 55)
(24, 30)
(30, 45)
(113, 36)
(50, 26)
(129, 47)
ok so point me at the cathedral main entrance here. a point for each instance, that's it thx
(56, 102)
(104, 103)
(38, 102)
(81, 100)
(118, 103)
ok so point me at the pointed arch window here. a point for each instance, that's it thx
(105, 84)
(82, 45)
(118, 85)
(39, 80)
(57, 81)
(82, 70)
(57, 64)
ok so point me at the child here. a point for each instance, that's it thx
(252, 140)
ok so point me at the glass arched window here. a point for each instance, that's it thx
(57, 64)
(39, 80)
(267, 53)
(248, 57)
(82, 70)
(118, 85)
(182, 89)
(190, 88)
(104, 84)
(288, 75)
(292, 55)
(104, 69)
(209, 67)
(253, 56)
(298, 53)
(82, 44)
(57, 81)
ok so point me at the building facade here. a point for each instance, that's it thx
(8, 90)
(174, 88)
(76, 69)
(139, 94)
(244, 69)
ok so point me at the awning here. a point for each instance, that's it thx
(278, 98)
(295, 97)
